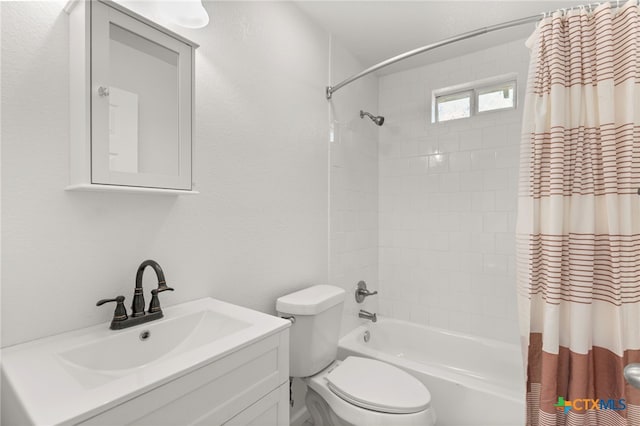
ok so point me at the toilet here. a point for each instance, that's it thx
(353, 392)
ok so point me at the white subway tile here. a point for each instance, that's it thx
(494, 305)
(508, 156)
(419, 313)
(439, 317)
(460, 241)
(483, 242)
(437, 241)
(460, 161)
(495, 264)
(460, 280)
(471, 222)
(483, 201)
(448, 142)
(494, 137)
(449, 183)
(505, 243)
(495, 222)
(449, 221)
(506, 200)
(438, 163)
(427, 146)
(471, 181)
(495, 179)
(402, 310)
(483, 160)
(460, 321)
(470, 140)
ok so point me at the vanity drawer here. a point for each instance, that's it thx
(211, 394)
(271, 410)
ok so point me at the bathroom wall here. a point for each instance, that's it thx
(353, 147)
(258, 228)
(447, 199)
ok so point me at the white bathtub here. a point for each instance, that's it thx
(473, 381)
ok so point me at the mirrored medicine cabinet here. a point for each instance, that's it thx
(131, 102)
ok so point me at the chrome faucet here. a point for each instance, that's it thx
(368, 315)
(138, 315)
(362, 292)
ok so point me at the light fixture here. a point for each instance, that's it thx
(186, 13)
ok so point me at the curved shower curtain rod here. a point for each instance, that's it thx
(330, 90)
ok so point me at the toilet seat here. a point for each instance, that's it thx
(378, 386)
(347, 413)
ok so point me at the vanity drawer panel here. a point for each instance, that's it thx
(271, 410)
(215, 392)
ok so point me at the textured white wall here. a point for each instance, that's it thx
(448, 200)
(353, 186)
(257, 230)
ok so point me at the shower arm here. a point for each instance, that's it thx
(330, 90)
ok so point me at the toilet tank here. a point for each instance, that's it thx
(314, 335)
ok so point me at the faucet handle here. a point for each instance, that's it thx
(362, 292)
(154, 305)
(120, 314)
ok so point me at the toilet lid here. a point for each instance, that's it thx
(378, 386)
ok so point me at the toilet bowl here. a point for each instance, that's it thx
(362, 391)
(353, 392)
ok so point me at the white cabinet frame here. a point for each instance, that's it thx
(89, 23)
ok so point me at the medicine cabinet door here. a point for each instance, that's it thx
(141, 103)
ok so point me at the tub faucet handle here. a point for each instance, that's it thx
(362, 292)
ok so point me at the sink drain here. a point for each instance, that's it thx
(145, 335)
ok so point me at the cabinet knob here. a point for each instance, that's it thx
(103, 91)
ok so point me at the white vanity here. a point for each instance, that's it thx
(206, 362)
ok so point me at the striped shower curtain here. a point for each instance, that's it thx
(578, 230)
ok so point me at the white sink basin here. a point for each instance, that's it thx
(129, 349)
(70, 377)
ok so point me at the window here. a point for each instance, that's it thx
(496, 97)
(452, 107)
(475, 98)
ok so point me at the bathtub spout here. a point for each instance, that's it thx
(367, 315)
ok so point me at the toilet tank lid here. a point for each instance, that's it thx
(311, 300)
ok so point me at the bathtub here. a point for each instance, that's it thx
(473, 381)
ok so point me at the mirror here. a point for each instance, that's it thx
(143, 105)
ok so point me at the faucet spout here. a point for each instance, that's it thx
(368, 315)
(137, 306)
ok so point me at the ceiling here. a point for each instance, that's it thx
(377, 30)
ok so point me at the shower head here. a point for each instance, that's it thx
(379, 120)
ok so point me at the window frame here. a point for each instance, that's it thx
(473, 90)
(461, 94)
(497, 86)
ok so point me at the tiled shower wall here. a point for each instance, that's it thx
(447, 200)
(353, 212)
